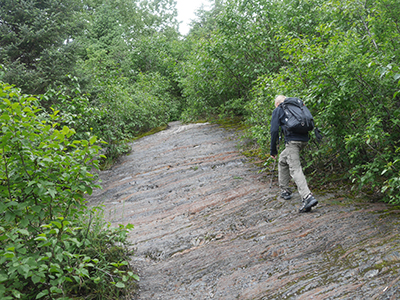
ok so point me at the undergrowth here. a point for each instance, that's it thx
(52, 246)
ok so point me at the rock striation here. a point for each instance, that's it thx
(208, 226)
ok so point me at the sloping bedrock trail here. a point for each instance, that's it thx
(208, 226)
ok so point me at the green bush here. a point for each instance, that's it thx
(46, 251)
(117, 113)
(346, 70)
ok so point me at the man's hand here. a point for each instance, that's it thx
(273, 156)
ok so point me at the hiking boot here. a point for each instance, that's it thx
(308, 202)
(286, 195)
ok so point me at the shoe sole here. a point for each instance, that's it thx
(308, 207)
(287, 198)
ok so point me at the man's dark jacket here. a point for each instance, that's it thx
(278, 119)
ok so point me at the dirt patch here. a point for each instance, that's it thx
(208, 226)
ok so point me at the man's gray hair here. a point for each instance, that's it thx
(279, 99)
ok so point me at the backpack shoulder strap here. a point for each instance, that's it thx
(293, 101)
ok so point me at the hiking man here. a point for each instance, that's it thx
(289, 165)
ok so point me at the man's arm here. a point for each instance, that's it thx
(274, 132)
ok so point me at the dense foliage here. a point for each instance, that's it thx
(340, 57)
(118, 55)
(47, 249)
(35, 42)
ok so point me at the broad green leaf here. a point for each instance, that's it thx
(16, 294)
(136, 277)
(23, 231)
(36, 279)
(3, 277)
(42, 294)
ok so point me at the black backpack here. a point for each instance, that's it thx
(298, 118)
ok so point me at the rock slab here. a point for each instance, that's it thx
(208, 226)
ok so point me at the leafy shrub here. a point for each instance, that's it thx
(125, 106)
(117, 113)
(46, 251)
(74, 108)
(347, 73)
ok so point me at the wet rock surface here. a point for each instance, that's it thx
(208, 226)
